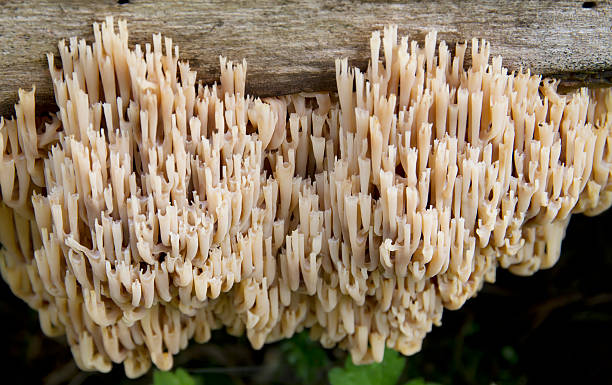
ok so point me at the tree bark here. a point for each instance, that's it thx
(291, 46)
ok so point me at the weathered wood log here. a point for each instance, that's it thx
(291, 47)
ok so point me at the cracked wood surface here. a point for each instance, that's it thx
(291, 46)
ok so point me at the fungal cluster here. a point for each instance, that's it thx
(151, 209)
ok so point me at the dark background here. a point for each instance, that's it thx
(553, 327)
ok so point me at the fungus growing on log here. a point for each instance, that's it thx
(151, 209)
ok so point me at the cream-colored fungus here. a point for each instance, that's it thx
(151, 209)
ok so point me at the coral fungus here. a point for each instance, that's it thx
(151, 209)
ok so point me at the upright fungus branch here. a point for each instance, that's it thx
(151, 209)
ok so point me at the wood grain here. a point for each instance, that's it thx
(291, 45)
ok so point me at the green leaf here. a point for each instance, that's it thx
(178, 377)
(339, 376)
(386, 372)
(164, 378)
(416, 381)
(420, 381)
(509, 353)
(306, 357)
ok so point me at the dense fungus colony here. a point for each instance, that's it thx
(151, 209)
